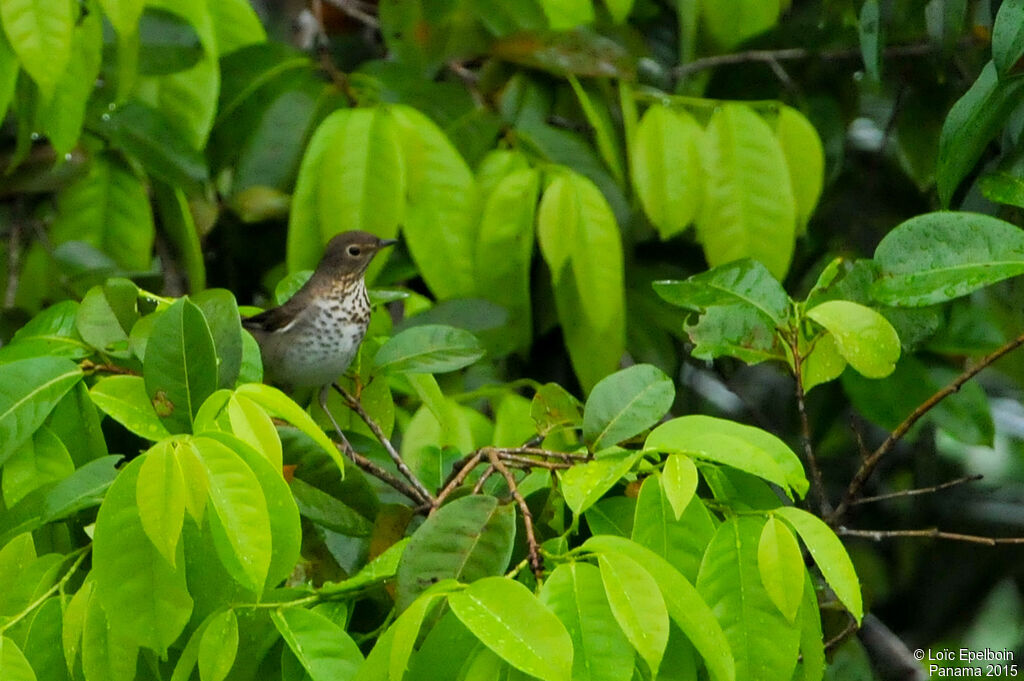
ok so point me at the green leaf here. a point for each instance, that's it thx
(625, 404)
(124, 399)
(63, 115)
(406, 629)
(743, 447)
(108, 653)
(41, 35)
(823, 364)
(218, 646)
(679, 482)
(441, 191)
(106, 315)
(601, 652)
(13, 664)
(731, 22)
(619, 9)
(749, 210)
(509, 620)
(180, 366)
(563, 15)
(805, 160)
(74, 622)
(971, 124)
(108, 208)
(352, 177)
(829, 555)
(180, 227)
(145, 598)
(553, 407)
(863, 337)
(9, 69)
(681, 541)
(221, 313)
(42, 645)
(1008, 36)
(812, 646)
(736, 331)
(467, 539)
(428, 349)
(638, 606)
(29, 390)
(781, 566)
(504, 251)
(123, 14)
(280, 406)
(237, 26)
(43, 459)
(940, 256)
(744, 282)
(160, 497)
(82, 489)
(240, 522)
(764, 643)
(604, 135)
(685, 606)
(666, 168)
(583, 484)
(51, 332)
(326, 511)
(325, 650)
(872, 38)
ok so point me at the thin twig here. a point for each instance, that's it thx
(851, 627)
(869, 464)
(532, 548)
(928, 533)
(805, 426)
(793, 53)
(457, 480)
(533, 463)
(483, 478)
(546, 453)
(916, 491)
(355, 405)
(88, 366)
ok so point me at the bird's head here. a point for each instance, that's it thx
(351, 252)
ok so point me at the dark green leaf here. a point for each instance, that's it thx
(467, 539)
(1008, 36)
(585, 483)
(141, 131)
(743, 282)
(51, 332)
(936, 257)
(872, 38)
(29, 390)
(553, 408)
(221, 313)
(971, 124)
(428, 349)
(180, 368)
(625, 404)
(169, 43)
(83, 489)
(735, 331)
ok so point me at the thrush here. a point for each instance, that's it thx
(312, 338)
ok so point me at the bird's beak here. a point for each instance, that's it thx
(383, 243)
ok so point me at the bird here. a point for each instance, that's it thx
(312, 338)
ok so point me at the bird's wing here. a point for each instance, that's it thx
(275, 319)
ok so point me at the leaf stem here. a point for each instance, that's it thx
(82, 553)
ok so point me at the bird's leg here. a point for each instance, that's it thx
(324, 392)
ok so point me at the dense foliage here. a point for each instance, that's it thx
(568, 446)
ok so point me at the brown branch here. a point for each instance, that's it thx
(916, 491)
(805, 426)
(532, 547)
(456, 481)
(483, 478)
(869, 464)
(359, 11)
(850, 628)
(355, 405)
(533, 463)
(378, 472)
(929, 533)
(791, 54)
(88, 366)
(546, 453)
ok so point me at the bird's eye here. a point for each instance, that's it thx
(354, 250)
